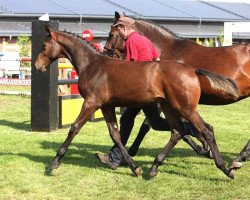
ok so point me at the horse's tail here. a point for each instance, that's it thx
(219, 82)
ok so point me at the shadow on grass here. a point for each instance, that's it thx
(200, 177)
(16, 125)
(82, 154)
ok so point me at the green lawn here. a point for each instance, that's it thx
(15, 88)
(24, 156)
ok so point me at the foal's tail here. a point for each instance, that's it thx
(219, 82)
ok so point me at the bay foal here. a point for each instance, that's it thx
(106, 83)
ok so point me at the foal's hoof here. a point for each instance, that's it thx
(236, 165)
(138, 171)
(153, 173)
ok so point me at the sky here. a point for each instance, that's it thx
(244, 1)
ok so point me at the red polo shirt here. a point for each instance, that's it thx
(139, 48)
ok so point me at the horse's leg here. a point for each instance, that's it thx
(207, 132)
(189, 129)
(110, 118)
(244, 154)
(205, 151)
(197, 148)
(86, 112)
(145, 127)
(174, 123)
(206, 147)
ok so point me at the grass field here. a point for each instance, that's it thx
(24, 156)
(15, 88)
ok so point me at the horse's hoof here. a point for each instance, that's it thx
(231, 174)
(153, 173)
(236, 165)
(138, 171)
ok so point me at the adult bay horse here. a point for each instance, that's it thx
(232, 61)
(106, 82)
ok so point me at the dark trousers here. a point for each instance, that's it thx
(127, 123)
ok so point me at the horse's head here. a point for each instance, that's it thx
(51, 51)
(115, 43)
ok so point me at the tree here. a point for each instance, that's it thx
(24, 48)
(221, 38)
(198, 41)
(211, 42)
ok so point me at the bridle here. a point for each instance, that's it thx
(113, 51)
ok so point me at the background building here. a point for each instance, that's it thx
(186, 18)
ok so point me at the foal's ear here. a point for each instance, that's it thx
(51, 32)
(47, 29)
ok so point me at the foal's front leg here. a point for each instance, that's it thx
(175, 138)
(173, 120)
(110, 118)
(87, 111)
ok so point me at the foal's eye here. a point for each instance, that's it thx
(43, 47)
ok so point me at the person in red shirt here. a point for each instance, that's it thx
(137, 48)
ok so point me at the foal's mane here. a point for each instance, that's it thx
(82, 40)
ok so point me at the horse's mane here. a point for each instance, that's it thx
(159, 27)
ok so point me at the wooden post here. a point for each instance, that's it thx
(44, 97)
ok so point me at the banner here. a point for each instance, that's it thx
(6, 81)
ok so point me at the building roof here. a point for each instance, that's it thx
(159, 9)
(71, 13)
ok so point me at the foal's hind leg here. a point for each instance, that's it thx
(207, 132)
(110, 118)
(85, 114)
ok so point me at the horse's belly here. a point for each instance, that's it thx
(138, 101)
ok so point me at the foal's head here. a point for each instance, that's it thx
(50, 52)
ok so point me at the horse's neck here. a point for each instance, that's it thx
(79, 52)
(161, 38)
